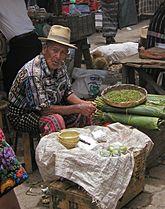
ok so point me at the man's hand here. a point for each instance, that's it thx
(87, 108)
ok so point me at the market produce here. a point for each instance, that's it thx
(115, 149)
(148, 109)
(146, 122)
(155, 99)
(124, 95)
(149, 115)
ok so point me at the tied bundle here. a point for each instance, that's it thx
(149, 115)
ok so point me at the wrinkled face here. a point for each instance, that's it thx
(54, 54)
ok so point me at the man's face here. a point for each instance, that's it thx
(55, 54)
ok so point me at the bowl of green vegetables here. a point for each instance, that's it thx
(124, 95)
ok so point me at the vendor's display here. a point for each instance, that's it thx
(64, 192)
(108, 181)
(150, 115)
(124, 95)
(114, 149)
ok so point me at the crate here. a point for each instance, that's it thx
(81, 26)
(67, 195)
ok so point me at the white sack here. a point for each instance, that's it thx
(116, 52)
(104, 178)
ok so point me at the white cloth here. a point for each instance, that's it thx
(14, 19)
(104, 178)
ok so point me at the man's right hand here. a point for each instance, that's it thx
(87, 108)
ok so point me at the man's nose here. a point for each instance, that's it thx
(58, 54)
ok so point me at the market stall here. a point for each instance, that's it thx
(152, 58)
(109, 167)
(148, 117)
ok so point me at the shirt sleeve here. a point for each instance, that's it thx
(68, 90)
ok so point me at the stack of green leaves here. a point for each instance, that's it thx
(149, 115)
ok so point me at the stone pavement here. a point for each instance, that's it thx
(153, 197)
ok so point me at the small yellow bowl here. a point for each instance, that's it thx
(69, 138)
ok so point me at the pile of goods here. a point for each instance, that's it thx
(124, 95)
(114, 149)
(147, 111)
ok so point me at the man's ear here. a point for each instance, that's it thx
(44, 48)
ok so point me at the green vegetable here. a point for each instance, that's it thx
(146, 122)
(124, 95)
(113, 150)
(144, 109)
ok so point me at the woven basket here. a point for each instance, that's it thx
(126, 87)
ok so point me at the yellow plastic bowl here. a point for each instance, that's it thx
(69, 138)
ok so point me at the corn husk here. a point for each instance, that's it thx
(157, 100)
(145, 110)
(145, 122)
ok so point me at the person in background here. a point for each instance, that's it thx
(110, 19)
(23, 42)
(156, 35)
(156, 29)
(41, 97)
(12, 174)
(116, 16)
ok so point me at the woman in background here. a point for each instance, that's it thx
(110, 19)
(116, 16)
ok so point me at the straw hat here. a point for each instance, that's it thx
(59, 34)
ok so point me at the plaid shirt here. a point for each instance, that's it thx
(146, 7)
(35, 87)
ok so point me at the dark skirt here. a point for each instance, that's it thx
(110, 17)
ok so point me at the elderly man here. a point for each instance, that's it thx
(41, 97)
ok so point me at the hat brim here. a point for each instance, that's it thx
(60, 42)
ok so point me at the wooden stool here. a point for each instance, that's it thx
(28, 149)
(3, 107)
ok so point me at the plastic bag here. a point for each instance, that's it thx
(89, 83)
